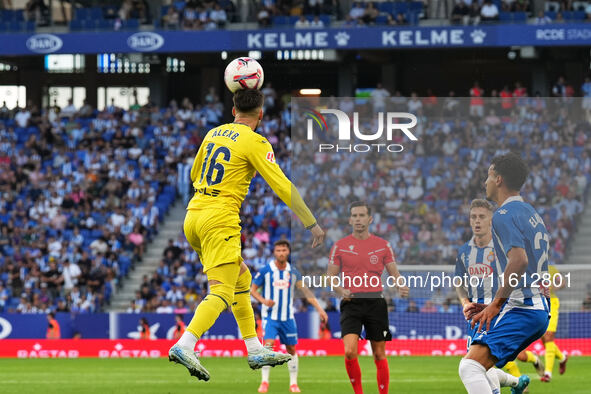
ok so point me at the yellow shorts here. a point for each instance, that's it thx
(554, 306)
(215, 235)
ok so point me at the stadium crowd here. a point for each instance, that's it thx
(82, 193)
(99, 182)
(217, 14)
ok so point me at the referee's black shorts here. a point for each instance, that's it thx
(371, 313)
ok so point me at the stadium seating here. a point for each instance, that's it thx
(139, 197)
(513, 17)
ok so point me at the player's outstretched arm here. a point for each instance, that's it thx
(312, 300)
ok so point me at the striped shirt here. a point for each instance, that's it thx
(279, 286)
(516, 224)
(480, 269)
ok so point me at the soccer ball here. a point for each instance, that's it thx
(244, 73)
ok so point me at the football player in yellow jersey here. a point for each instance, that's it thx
(221, 174)
(552, 350)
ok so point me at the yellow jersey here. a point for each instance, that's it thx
(227, 161)
(553, 271)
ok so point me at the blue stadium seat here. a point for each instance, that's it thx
(76, 25)
(387, 7)
(16, 26)
(81, 13)
(131, 24)
(381, 20)
(574, 15)
(18, 15)
(105, 24)
(96, 13)
(519, 17)
(280, 20)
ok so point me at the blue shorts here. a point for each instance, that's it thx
(286, 330)
(511, 332)
(471, 334)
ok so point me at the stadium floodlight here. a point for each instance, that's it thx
(310, 92)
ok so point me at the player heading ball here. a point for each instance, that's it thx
(221, 174)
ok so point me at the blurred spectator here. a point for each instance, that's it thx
(179, 327)
(370, 14)
(324, 331)
(559, 18)
(357, 11)
(53, 327)
(264, 17)
(515, 5)
(69, 110)
(476, 100)
(460, 13)
(379, 96)
(349, 21)
(489, 11)
(218, 16)
(190, 18)
(429, 307)
(36, 10)
(22, 117)
(144, 329)
(542, 19)
(586, 91)
(317, 23)
(559, 88)
(172, 18)
(401, 19)
(302, 23)
(412, 307)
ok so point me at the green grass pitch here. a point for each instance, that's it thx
(232, 375)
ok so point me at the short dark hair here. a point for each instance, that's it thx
(480, 203)
(248, 100)
(282, 242)
(512, 168)
(355, 204)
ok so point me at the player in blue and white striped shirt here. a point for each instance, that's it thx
(519, 312)
(278, 282)
(478, 268)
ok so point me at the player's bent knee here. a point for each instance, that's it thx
(223, 291)
(468, 369)
(244, 281)
(548, 336)
(350, 354)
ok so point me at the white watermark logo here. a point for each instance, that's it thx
(387, 123)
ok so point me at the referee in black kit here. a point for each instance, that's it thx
(358, 261)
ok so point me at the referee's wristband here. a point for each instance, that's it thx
(310, 227)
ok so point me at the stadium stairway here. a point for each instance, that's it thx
(578, 263)
(170, 228)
